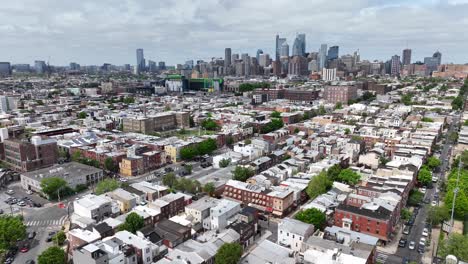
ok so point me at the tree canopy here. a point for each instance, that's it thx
(275, 114)
(106, 185)
(205, 147)
(424, 176)
(318, 185)
(433, 162)
(12, 229)
(209, 124)
(455, 244)
(348, 176)
(209, 188)
(437, 214)
(169, 179)
(52, 255)
(228, 253)
(133, 222)
(415, 197)
(242, 173)
(312, 216)
(54, 187)
(111, 165)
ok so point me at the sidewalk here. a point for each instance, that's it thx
(392, 246)
(427, 257)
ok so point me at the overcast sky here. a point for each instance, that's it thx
(97, 31)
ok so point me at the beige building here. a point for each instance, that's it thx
(160, 122)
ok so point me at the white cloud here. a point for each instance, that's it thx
(93, 32)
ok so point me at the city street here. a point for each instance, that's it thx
(419, 223)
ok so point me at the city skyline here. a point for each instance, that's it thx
(94, 33)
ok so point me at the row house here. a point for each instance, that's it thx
(169, 205)
(277, 202)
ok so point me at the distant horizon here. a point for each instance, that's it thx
(92, 33)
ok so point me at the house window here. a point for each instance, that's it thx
(377, 232)
(287, 234)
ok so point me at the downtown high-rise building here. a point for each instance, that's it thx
(227, 58)
(299, 45)
(333, 53)
(140, 61)
(322, 56)
(259, 52)
(284, 50)
(438, 56)
(395, 65)
(40, 67)
(279, 43)
(5, 69)
(406, 58)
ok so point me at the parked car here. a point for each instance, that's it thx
(32, 235)
(422, 241)
(50, 236)
(425, 232)
(30, 262)
(434, 203)
(25, 248)
(421, 249)
(406, 230)
(29, 192)
(22, 203)
(402, 243)
(10, 192)
(9, 260)
(423, 189)
(412, 245)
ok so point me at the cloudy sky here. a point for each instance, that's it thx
(98, 31)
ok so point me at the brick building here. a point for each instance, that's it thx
(335, 94)
(22, 155)
(278, 202)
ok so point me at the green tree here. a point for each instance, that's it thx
(52, 255)
(242, 173)
(453, 136)
(229, 140)
(209, 188)
(306, 116)
(339, 105)
(318, 185)
(437, 214)
(457, 245)
(133, 222)
(224, 163)
(457, 103)
(209, 124)
(129, 100)
(107, 185)
(82, 115)
(296, 130)
(248, 141)
(405, 214)
(59, 238)
(275, 114)
(424, 176)
(427, 119)
(12, 229)
(415, 197)
(169, 179)
(406, 99)
(207, 146)
(347, 131)
(76, 156)
(188, 153)
(322, 110)
(433, 162)
(333, 172)
(110, 165)
(312, 216)
(54, 187)
(348, 176)
(229, 253)
(64, 153)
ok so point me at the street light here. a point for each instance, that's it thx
(455, 192)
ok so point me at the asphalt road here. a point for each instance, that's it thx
(419, 224)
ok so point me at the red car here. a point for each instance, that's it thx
(25, 249)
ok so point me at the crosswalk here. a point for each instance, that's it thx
(381, 257)
(49, 222)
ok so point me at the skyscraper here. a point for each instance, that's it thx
(395, 65)
(299, 45)
(333, 53)
(279, 42)
(438, 56)
(141, 64)
(227, 57)
(5, 69)
(284, 50)
(322, 55)
(40, 67)
(406, 57)
(259, 51)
